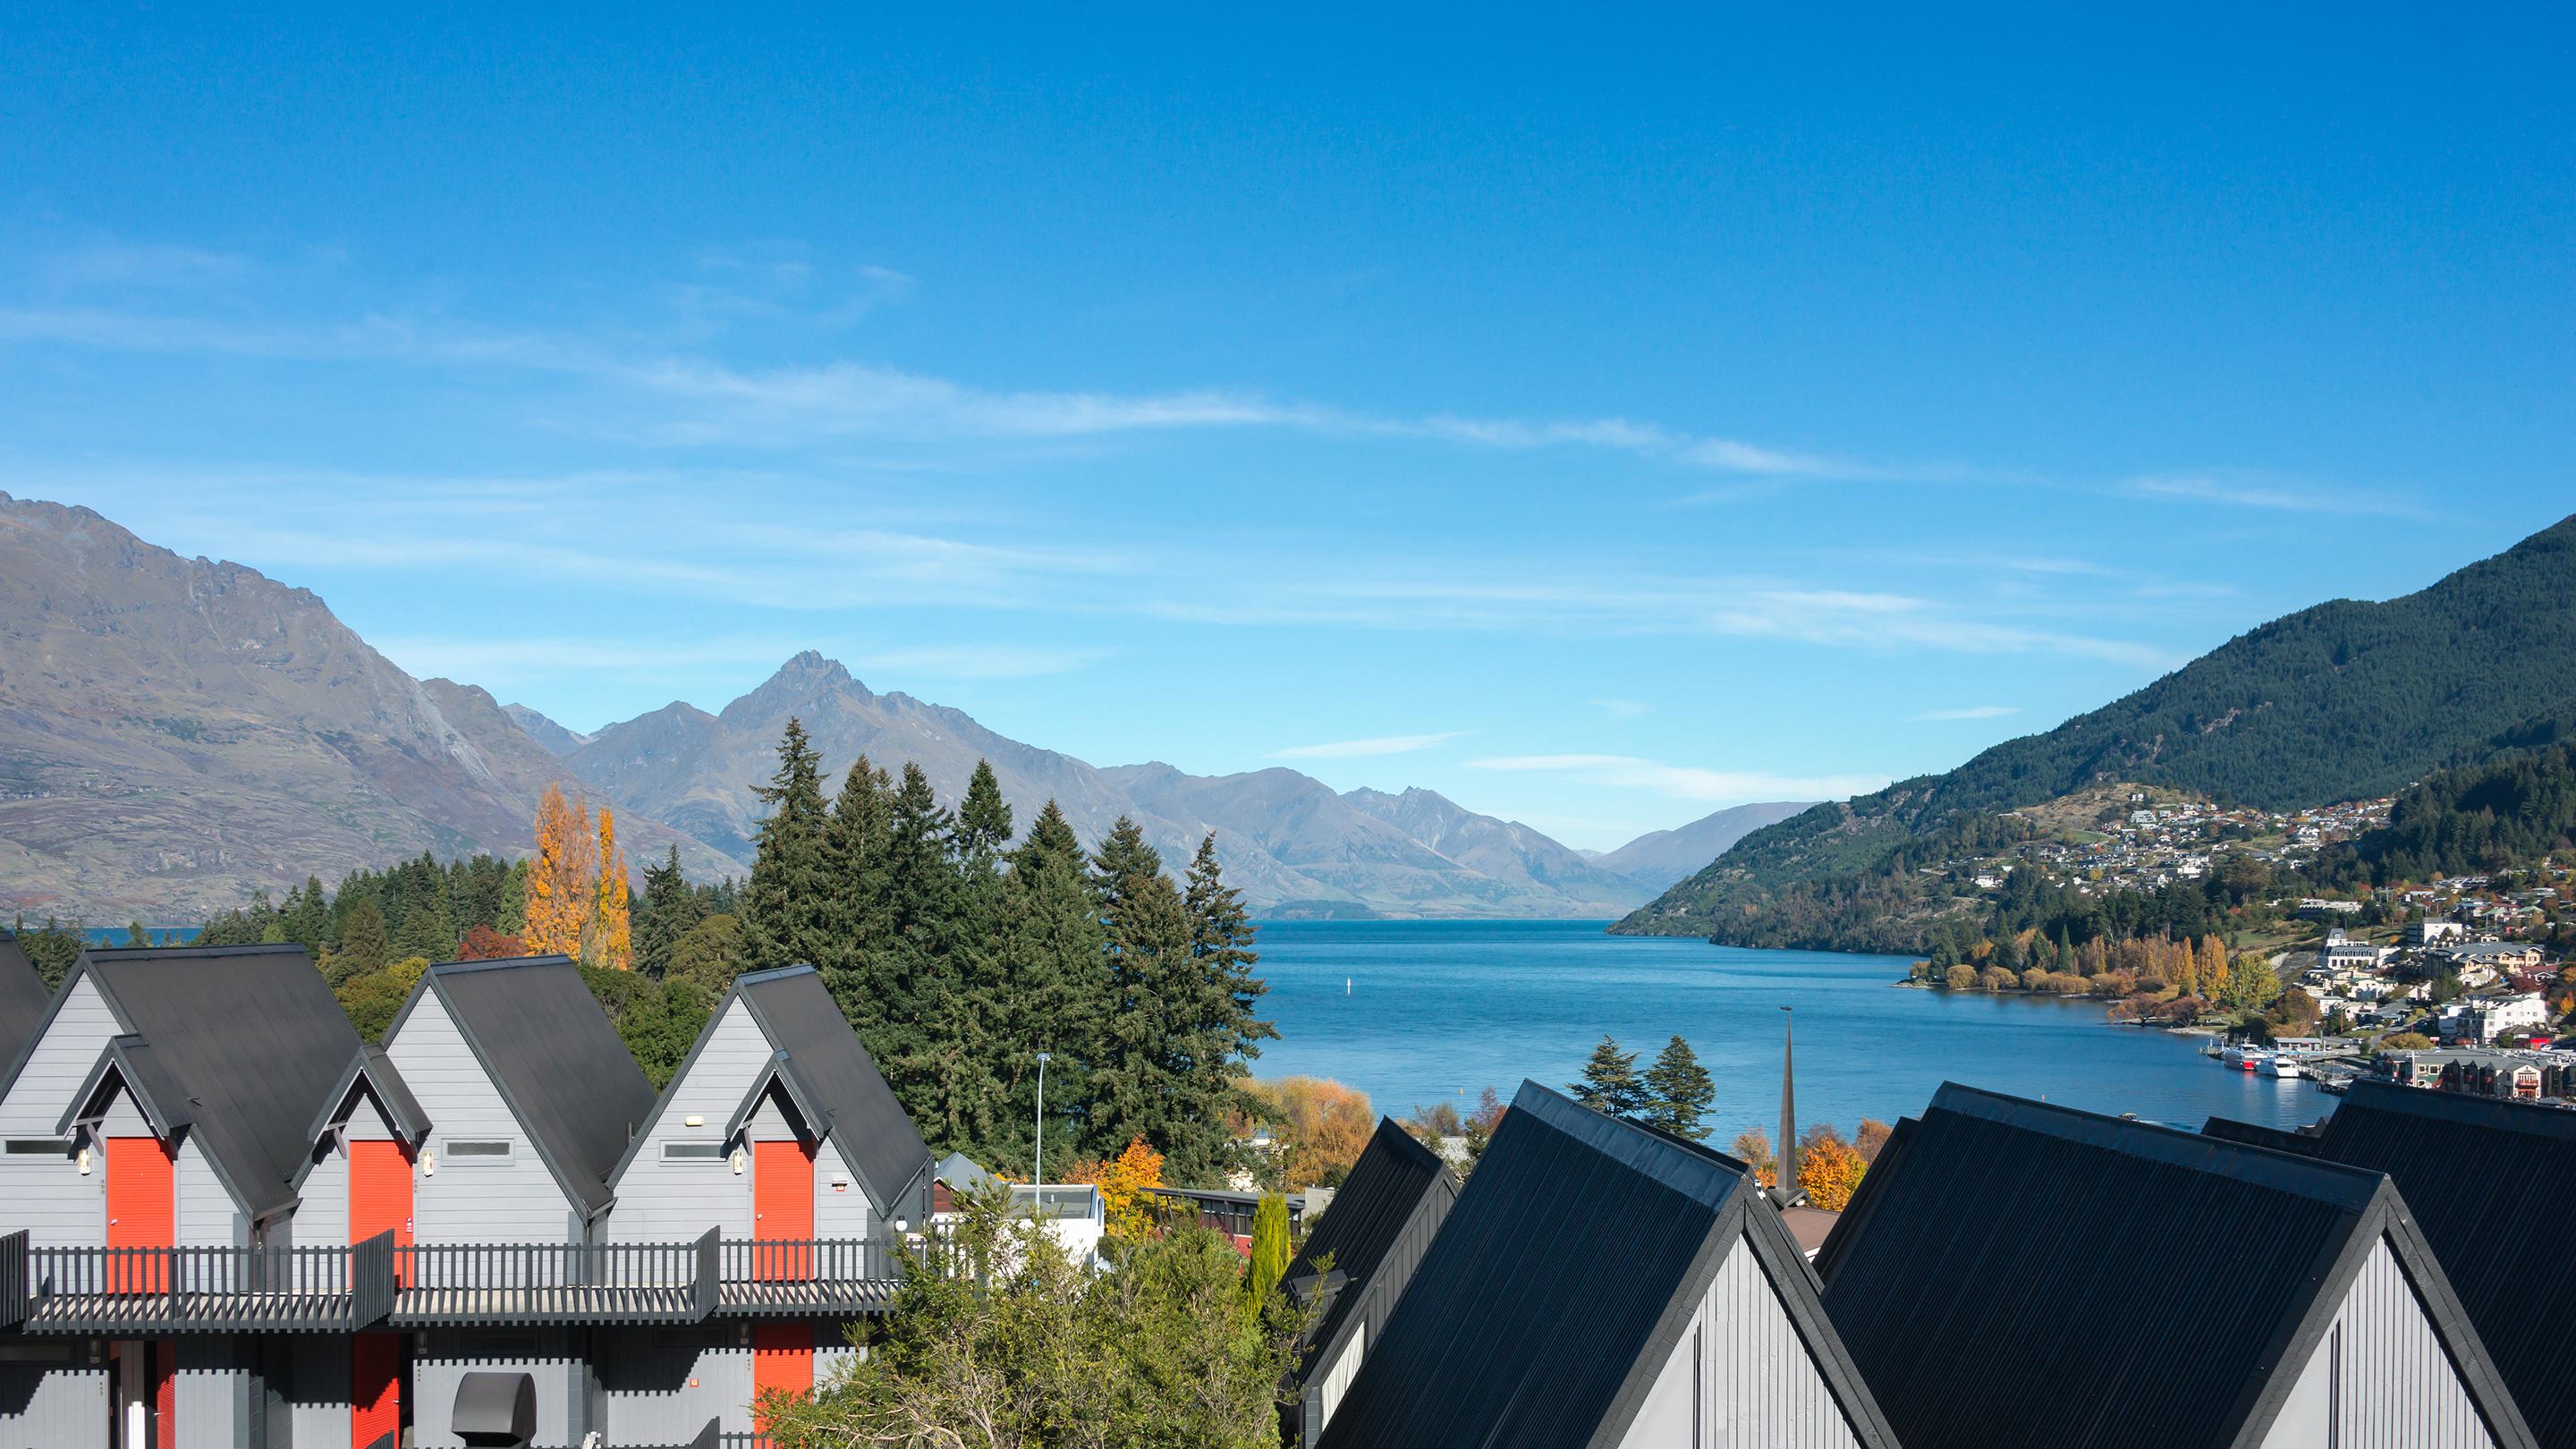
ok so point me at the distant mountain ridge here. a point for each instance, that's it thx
(1290, 843)
(177, 732)
(2341, 701)
(1662, 857)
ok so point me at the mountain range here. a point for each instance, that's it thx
(2346, 700)
(176, 733)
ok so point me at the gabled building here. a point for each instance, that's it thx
(225, 1222)
(1358, 1258)
(2013, 1273)
(2488, 1182)
(155, 1126)
(777, 1129)
(1599, 1284)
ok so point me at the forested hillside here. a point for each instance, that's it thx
(2337, 702)
(2504, 815)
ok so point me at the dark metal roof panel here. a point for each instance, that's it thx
(23, 997)
(1537, 1313)
(556, 1059)
(2488, 1182)
(1396, 1197)
(865, 1121)
(2254, 1134)
(2037, 1233)
(254, 1038)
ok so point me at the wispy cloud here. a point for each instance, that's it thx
(516, 659)
(1974, 711)
(1688, 782)
(1359, 749)
(2247, 490)
(1622, 708)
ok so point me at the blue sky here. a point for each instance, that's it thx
(1598, 419)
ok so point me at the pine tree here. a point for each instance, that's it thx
(1051, 983)
(855, 841)
(671, 909)
(1610, 1084)
(363, 947)
(1138, 1078)
(1679, 1091)
(610, 937)
(788, 904)
(1226, 993)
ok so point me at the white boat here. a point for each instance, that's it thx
(2277, 1065)
(2239, 1057)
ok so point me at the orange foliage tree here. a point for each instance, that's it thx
(1122, 1181)
(1829, 1169)
(1320, 1125)
(610, 936)
(562, 879)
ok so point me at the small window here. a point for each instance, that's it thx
(37, 1147)
(693, 1152)
(458, 1152)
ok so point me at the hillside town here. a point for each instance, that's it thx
(2144, 840)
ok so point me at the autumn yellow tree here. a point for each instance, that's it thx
(610, 936)
(1123, 1181)
(563, 878)
(1829, 1170)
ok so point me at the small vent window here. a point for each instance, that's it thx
(37, 1147)
(692, 1152)
(477, 1151)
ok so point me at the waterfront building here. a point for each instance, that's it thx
(1356, 1262)
(2308, 1310)
(1599, 1283)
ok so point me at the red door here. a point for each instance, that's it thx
(782, 1196)
(164, 1383)
(142, 1212)
(380, 1198)
(375, 1391)
(782, 1361)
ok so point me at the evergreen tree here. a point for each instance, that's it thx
(671, 909)
(1270, 1254)
(1225, 991)
(788, 905)
(1610, 1083)
(855, 844)
(363, 947)
(1679, 1091)
(1051, 984)
(423, 934)
(1140, 1078)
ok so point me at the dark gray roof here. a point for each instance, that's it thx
(819, 1061)
(247, 1037)
(833, 1074)
(2489, 1182)
(1563, 1279)
(2125, 1284)
(23, 997)
(1380, 1224)
(2252, 1134)
(549, 1047)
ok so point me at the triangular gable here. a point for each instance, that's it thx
(371, 1081)
(1576, 1263)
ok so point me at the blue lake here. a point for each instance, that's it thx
(1439, 1009)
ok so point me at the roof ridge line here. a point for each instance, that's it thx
(2350, 1188)
(501, 963)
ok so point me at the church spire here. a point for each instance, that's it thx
(1787, 1156)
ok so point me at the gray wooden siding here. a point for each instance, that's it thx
(322, 1204)
(47, 1195)
(1756, 1387)
(662, 1202)
(514, 1202)
(659, 1386)
(317, 1396)
(44, 1405)
(208, 1216)
(2379, 1379)
(453, 1355)
(212, 1393)
(322, 1213)
(843, 1213)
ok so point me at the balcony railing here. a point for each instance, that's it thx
(330, 1289)
(195, 1290)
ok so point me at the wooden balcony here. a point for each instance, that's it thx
(86, 1290)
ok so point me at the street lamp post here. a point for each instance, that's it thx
(1040, 1179)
